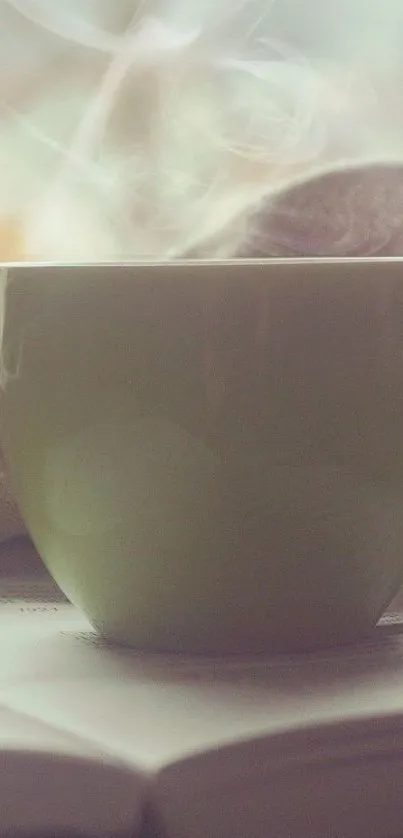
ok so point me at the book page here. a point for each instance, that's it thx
(53, 782)
(152, 710)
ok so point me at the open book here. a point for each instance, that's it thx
(101, 741)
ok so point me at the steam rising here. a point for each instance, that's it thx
(156, 128)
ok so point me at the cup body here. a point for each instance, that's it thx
(209, 457)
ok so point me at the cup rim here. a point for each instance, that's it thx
(223, 264)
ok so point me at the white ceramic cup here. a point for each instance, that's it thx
(209, 457)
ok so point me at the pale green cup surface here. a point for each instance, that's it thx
(209, 457)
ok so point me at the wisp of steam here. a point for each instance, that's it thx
(134, 129)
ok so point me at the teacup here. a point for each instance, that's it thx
(209, 456)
